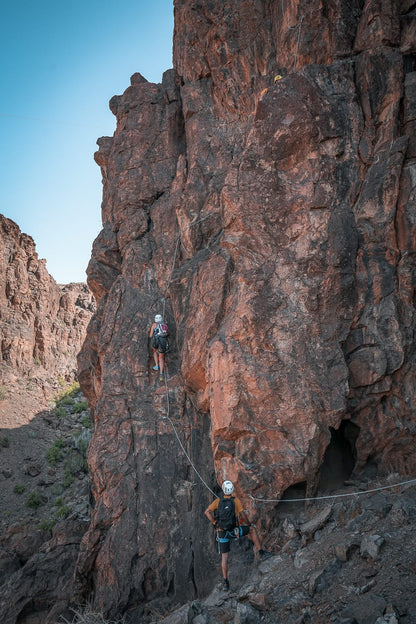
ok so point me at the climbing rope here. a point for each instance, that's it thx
(167, 417)
(299, 26)
(297, 44)
(315, 498)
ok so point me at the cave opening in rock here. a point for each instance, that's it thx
(285, 508)
(297, 490)
(340, 456)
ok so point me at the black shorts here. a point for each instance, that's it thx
(224, 537)
(160, 343)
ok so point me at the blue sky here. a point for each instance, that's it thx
(60, 64)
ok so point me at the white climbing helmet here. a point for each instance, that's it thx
(158, 318)
(227, 488)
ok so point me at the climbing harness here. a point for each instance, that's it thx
(300, 500)
(234, 534)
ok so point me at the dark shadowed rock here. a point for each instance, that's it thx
(41, 589)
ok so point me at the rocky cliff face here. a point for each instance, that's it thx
(272, 221)
(42, 327)
(43, 324)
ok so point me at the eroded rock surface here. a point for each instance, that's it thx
(272, 221)
(42, 468)
(43, 324)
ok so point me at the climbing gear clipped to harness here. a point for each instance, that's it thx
(160, 335)
(225, 514)
(161, 329)
(225, 537)
(161, 343)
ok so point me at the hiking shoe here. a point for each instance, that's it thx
(265, 554)
(225, 585)
(155, 367)
(160, 377)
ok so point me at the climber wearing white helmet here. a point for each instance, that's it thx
(159, 340)
(228, 517)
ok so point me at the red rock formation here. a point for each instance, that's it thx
(274, 220)
(43, 324)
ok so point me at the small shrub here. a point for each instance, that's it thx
(68, 479)
(71, 391)
(76, 463)
(60, 412)
(79, 407)
(75, 388)
(37, 361)
(57, 489)
(62, 512)
(46, 525)
(4, 442)
(54, 455)
(34, 500)
(66, 400)
(86, 422)
(81, 440)
(19, 489)
(59, 443)
(59, 502)
(3, 392)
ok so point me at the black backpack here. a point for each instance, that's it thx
(226, 514)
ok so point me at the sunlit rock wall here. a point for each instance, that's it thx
(273, 222)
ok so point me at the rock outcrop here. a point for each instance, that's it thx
(43, 323)
(39, 570)
(271, 220)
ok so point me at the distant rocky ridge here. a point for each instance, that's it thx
(43, 324)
